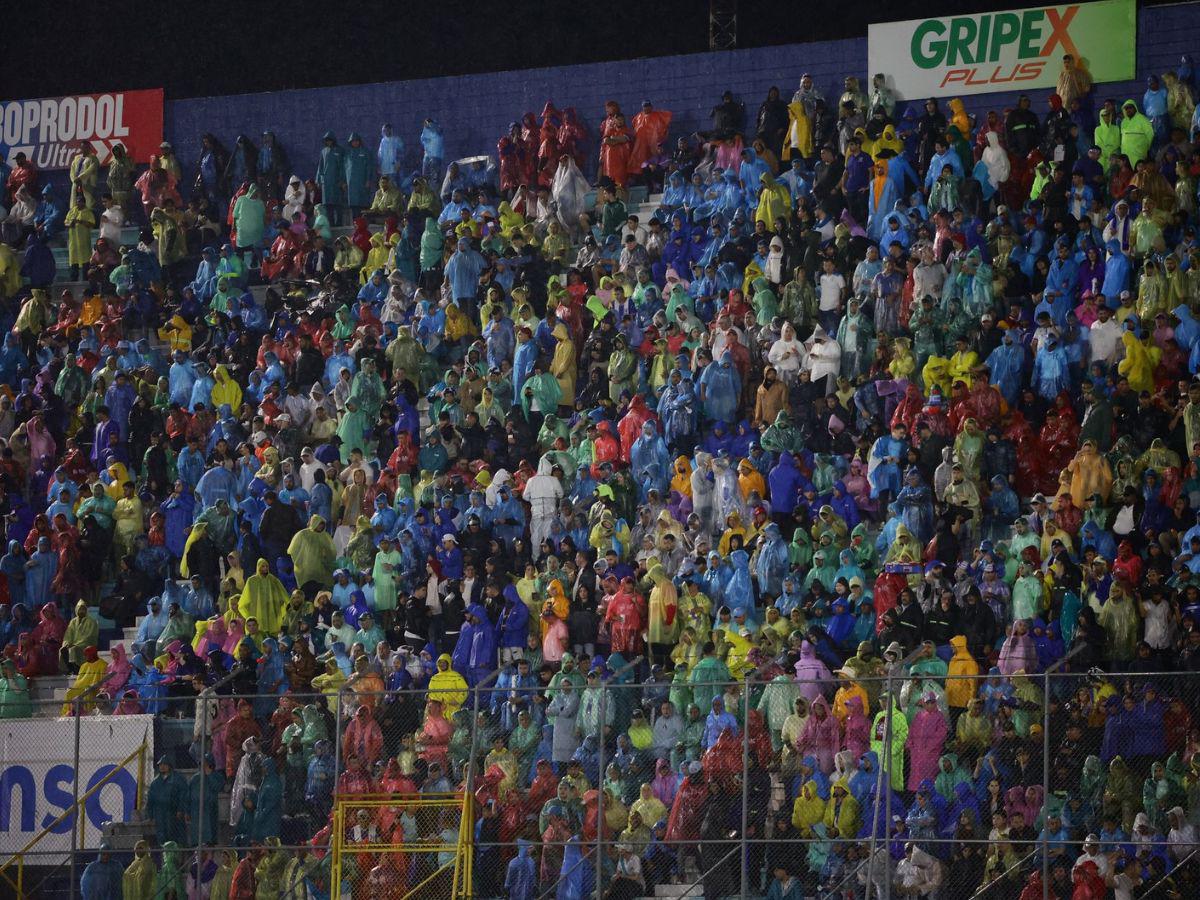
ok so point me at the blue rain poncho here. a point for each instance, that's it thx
(772, 562)
(721, 387)
(1006, 364)
(650, 460)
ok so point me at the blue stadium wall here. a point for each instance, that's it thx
(476, 109)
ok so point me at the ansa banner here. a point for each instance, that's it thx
(1001, 51)
(50, 131)
(38, 777)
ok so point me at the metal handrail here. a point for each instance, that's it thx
(73, 810)
(885, 763)
(1154, 887)
(699, 882)
(987, 887)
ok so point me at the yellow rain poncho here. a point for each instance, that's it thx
(799, 134)
(774, 202)
(313, 554)
(198, 530)
(448, 686)
(263, 598)
(663, 607)
(807, 810)
(90, 674)
(225, 390)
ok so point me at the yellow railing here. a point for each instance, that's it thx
(463, 862)
(76, 809)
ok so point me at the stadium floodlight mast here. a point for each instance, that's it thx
(722, 24)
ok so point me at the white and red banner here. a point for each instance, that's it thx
(49, 131)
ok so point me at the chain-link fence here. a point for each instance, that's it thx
(922, 776)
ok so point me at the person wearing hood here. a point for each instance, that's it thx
(264, 599)
(103, 878)
(520, 880)
(1137, 133)
(390, 155)
(166, 803)
(359, 169)
(331, 177)
(462, 274)
(475, 652)
(249, 221)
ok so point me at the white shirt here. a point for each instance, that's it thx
(832, 287)
(1104, 339)
(110, 225)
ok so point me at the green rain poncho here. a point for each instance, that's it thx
(360, 550)
(777, 702)
(708, 678)
(1027, 598)
(1121, 797)
(179, 628)
(766, 306)
(680, 692)
(431, 245)
(1029, 712)
(800, 550)
(353, 429)
(572, 675)
(950, 775)
(552, 428)
(1092, 780)
(678, 298)
(264, 599)
(899, 737)
(404, 352)
(14, 697)
(523, 743)
(385, 579)
(622, 369)
(313, 554)
(368, 390)
(170, 876)
(544, 389)
(781, 436)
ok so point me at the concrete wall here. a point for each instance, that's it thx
(475, 110)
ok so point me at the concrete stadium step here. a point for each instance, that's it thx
(679, 890)
(123, 836)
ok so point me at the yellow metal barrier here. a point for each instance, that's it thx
(459, 801)
(76, 809)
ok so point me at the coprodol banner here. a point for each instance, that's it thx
(1001, 51)
(51, 131)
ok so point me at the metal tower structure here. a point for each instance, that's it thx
(722, 24)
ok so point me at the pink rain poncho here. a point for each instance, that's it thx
(926, 739)
(820, 737)
(811, 673)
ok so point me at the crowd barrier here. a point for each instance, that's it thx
(456, 835)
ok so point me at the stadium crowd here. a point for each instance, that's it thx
(877, 395)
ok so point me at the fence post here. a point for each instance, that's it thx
(745, 780)
(1045, 775)
(75, 803)
(204, 726)
(337, 738)
(879, 782)
(470, 779)
(600, 794)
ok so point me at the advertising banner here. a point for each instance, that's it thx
(49, 131)
(37, 776)
(1002, 51)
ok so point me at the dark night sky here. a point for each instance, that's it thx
(202, 48)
